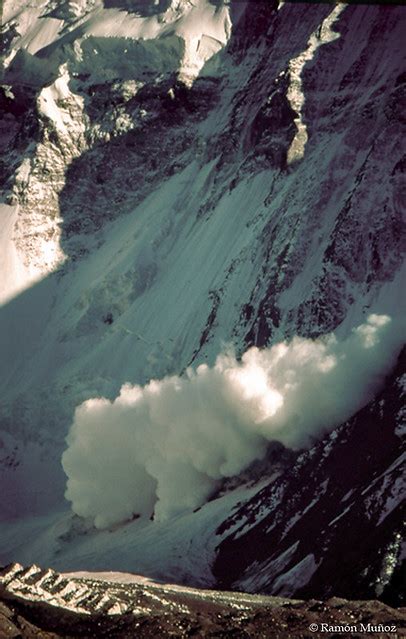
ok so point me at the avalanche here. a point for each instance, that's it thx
(163, 447)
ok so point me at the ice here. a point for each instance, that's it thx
(296, 577)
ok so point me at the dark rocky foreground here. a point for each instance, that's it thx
(43, 603)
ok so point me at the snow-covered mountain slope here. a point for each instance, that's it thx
(180, 550)
(180, 176)
(286, 534)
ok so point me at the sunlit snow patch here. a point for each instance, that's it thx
(323, 35)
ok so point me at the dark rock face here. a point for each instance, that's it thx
(106, 609)
(126, 168)
(332, 524)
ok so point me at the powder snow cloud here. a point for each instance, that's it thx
(163, 447)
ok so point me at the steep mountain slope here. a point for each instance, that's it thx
(177, 177)
(334, 521)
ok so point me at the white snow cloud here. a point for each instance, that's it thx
(163, 447)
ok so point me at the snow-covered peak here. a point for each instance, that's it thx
(115, 39)
(59, 52)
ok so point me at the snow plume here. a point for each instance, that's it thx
(162, 447)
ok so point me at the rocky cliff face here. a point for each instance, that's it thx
(334, 521)
(181, 175)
